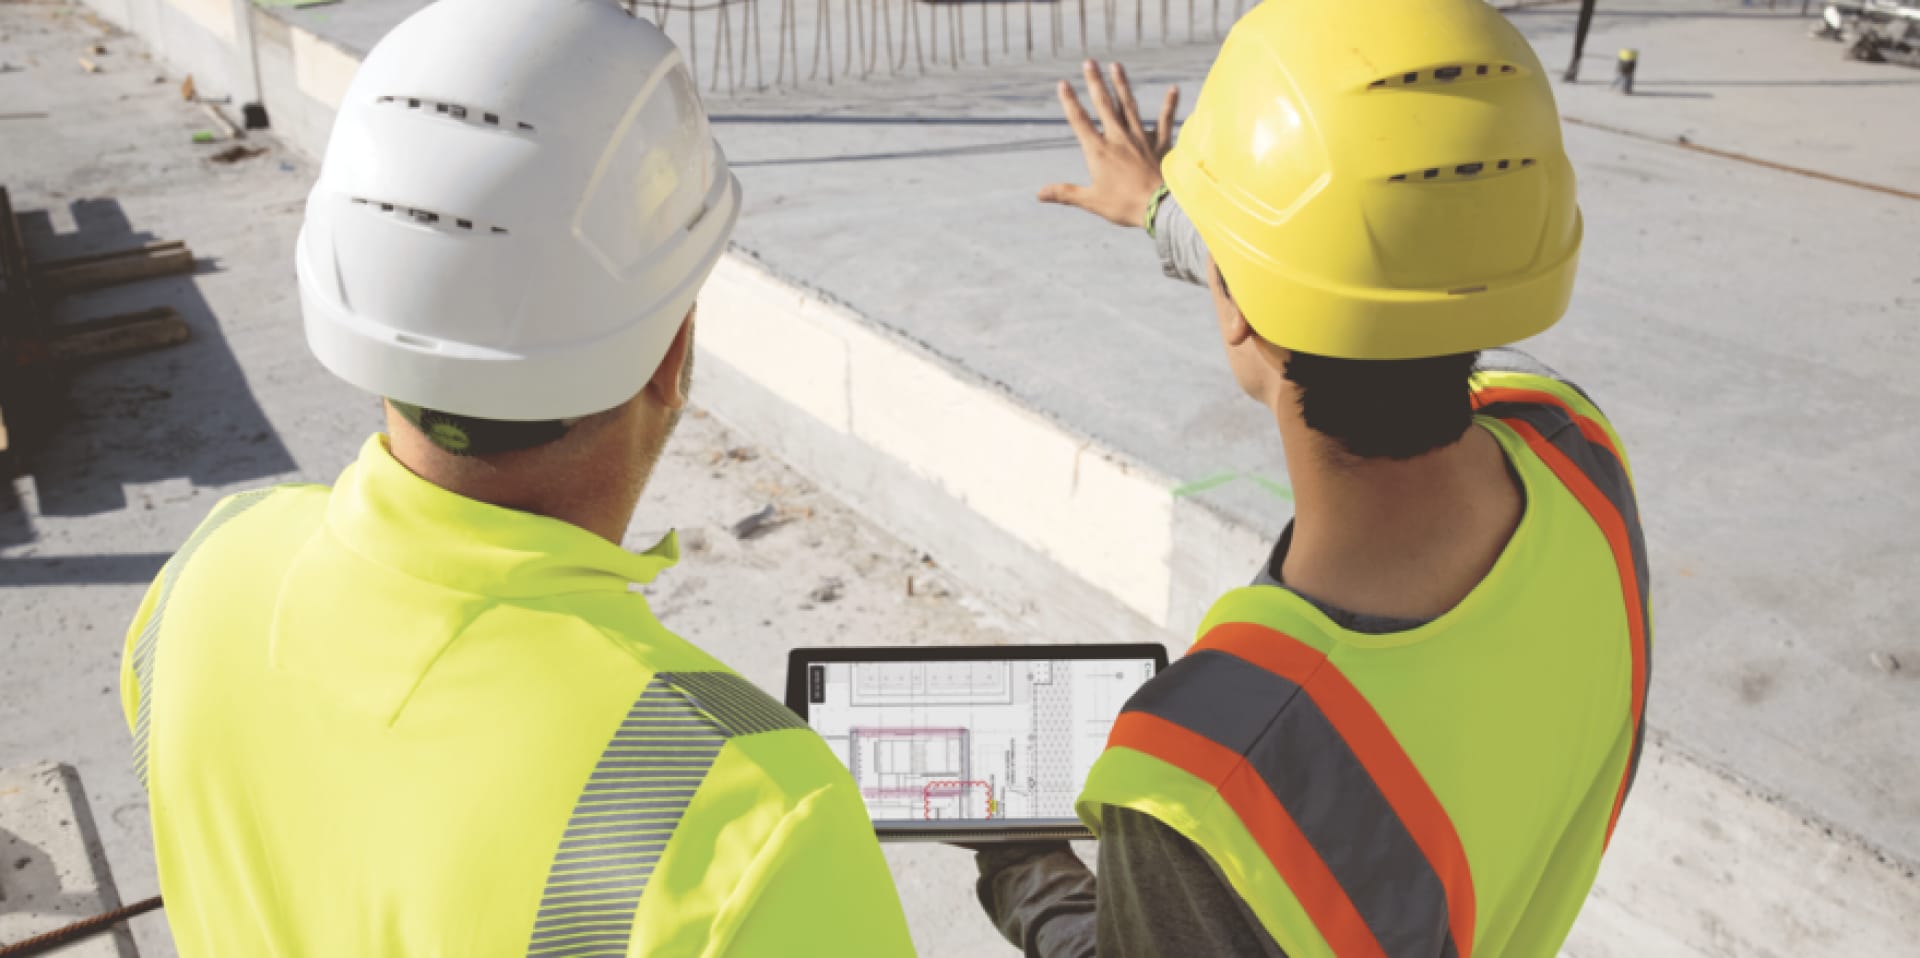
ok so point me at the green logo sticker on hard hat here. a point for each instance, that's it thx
(448, 436)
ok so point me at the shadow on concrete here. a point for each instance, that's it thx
(976, 149)
(1671, 94)
(30, 883)
(132, 568)
(119, 422)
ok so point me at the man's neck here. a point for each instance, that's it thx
(1406, 539)
(582, 489)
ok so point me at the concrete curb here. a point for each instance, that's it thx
(53, 870)
(1081, 542)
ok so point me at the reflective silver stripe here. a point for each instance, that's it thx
(1316, 777)
(734, 703)
(634, 799)
(145, 647)
(621, 823)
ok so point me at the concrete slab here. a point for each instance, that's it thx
(53, 869)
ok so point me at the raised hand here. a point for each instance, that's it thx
(1123, 155)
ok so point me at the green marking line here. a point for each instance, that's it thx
(1278, 490)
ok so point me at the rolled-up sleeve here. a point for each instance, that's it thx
(1182, 255)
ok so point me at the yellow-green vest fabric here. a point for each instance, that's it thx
(1442, 791)
(386, 720)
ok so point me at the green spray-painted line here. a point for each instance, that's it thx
(1275, 489)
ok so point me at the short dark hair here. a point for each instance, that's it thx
(1385, 408)
(1382, 408)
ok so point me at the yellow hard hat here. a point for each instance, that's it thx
(1381, 179)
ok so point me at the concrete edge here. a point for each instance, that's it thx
(1080, 542)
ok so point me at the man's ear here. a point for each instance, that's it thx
(1234, 328)
(1238, 329)
(668, 382)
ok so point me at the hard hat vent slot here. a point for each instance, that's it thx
(428, 218)
(1445, 74)
(1477, 170)
(455, 111)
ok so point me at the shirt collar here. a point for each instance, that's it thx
(384, 512)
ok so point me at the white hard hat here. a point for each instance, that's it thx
(519, 201)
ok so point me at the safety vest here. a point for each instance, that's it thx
(385, 720)
(1443, 791)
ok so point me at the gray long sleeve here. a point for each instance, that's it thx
(1162, 896)
(1182, 255)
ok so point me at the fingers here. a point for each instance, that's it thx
(1163, 131)
(1123, 91)
(1077, 116)
(1110, 121)
(1065, 194)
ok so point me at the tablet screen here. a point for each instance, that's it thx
(972, 740)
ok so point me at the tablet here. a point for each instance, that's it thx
(969, 743)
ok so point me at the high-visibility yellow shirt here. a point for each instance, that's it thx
(383, 719)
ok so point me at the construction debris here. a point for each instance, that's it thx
(77, 273)
(759, 524)
(233, 131)
(829, 590)
(118, 335)
(89, 65)
(32, 348)
(236, 153)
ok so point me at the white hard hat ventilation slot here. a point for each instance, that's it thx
(456, 111)
(429, 218)
(1446, 74)
(1461, 171)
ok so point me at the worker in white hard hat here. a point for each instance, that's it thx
(422, 712)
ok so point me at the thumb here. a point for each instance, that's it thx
(1063, 193)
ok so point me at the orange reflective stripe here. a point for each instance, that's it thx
(1379, 752)
(1595, 433)
(1614, 527)
(1278, 835)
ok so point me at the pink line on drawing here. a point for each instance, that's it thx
(905, 732)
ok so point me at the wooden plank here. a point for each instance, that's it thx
(118, 335)
(233, 131)
(135, 265)
(3, 430)
(66, 262)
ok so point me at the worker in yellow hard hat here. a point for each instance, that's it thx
(424, 712)
(1414, 732)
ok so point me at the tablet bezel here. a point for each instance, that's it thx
(973, 830)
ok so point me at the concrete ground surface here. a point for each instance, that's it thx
(53, 870)
(1748, 330)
